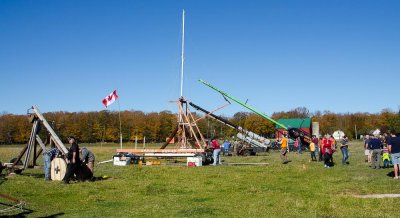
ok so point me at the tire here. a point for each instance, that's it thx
(203, 157)
(207, 158)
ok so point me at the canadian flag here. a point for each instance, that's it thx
(110, 98)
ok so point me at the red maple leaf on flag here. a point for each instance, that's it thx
(111, 98)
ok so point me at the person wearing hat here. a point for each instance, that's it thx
(73, 161)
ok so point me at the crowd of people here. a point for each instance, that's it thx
(379, 149)
(324, 147)
(383, 149)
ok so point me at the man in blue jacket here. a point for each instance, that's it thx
(376, 146)
(227, 146)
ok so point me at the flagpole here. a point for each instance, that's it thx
(183, 46)
(120, 125)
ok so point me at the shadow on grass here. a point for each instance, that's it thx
(25, 214)
(41, 176)
(20, 211)
(53, 215)
(2, 179)
(390, 174)
(34, 175)
(99, 178)
(93, 179)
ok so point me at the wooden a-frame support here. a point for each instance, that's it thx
(186, 129)
(31, 149)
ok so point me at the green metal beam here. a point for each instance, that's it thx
(244, 105)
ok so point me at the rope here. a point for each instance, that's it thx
(15, 207)
(18, 206)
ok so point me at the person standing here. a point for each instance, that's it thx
(297, 144)
(316, 145)
(227, 146)
(73, 161)
(344, 147)
(216, 152)
(366, 151)
(385, 156)
(376, 146)
(320, 147)
(327, 151)
(333, 143)
(88, 158)
(394, 150)
(312, 151)
(48, 156)
(284, 144)
(236, 147)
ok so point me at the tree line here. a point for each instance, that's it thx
(104, 126)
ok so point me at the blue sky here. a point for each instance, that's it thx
(341, 56)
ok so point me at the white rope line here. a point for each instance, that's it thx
(18, 206)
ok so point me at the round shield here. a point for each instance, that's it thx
(58, 169)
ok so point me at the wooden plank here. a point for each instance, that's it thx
(31, 143)
(248, 163)
(42, 145)
(57, 140)
(161, 150)
(168, 154)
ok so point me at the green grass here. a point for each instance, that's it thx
(298, 189)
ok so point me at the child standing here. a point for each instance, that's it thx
(312, 152)
(385, 157)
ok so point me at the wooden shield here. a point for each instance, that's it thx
(58, 169)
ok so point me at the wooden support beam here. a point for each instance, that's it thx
(42, 145)
(263, 164)
(161, 150)
(57, 140)
(32, 142)
(38, 153)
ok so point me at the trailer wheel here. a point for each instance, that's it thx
(19, 163)
(206, 157)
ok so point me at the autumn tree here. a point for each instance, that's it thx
(105, 125)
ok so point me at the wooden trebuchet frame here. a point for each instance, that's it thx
(30, 150)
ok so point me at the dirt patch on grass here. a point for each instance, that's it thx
(378, 196)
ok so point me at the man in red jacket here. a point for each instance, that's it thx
(216, 152)
(327, 151)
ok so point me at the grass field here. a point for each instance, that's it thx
(298, 189)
